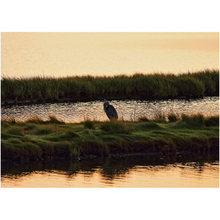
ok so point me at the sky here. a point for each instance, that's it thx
(60, 54)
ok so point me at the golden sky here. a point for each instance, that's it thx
(107, 53)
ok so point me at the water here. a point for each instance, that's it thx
(68, 54)
(127, 109)
(121, 172)
(114, 172)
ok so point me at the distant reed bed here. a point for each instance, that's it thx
(150, 86)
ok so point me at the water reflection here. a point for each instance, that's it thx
(127, 109)
(138, 171)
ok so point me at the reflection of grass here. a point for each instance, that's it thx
(110, 168)
(36, 138)
(138, 85)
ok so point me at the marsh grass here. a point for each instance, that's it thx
(89, 124)
(115, 127)
(43, 131)
(35, 120)
(161, 86)
(51, 119)
(149, 126)
(15, 131)
(212, 121)
(197, 120)
(31, 139)
(143, 119)
(160, 117)
(172, 117)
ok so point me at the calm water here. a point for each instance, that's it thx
(114, 172)
(66, 54)
(127, 109)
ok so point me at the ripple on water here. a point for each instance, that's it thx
(127, 109)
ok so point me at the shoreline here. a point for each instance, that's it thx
(187, 155)
(214, 152)
(11, 102)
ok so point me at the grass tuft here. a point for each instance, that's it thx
(115, 127)
(143, 119)
(35, 119)
(212, 121)
(149, 126)
(53, 119)
(15, 131)
(194, 120)
(43, 131)
(89, 124)
(172, 117)
(160, 117)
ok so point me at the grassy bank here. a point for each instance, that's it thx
(38, 139)
(153, 86)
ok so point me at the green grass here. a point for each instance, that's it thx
(89, 124)
(156, 86)
(36, 138)
(172, 117)
(115, 127)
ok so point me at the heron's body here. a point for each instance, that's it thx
(110, 111)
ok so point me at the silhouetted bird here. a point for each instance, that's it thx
(110, 111)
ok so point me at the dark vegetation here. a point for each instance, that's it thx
(86, 88)
(36, 139)
(110, 168)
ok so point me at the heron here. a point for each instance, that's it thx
(110, 111)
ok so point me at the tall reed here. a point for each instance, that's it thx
(139, 85)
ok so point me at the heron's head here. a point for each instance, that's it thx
(106, 103)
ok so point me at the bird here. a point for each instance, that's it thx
(110, 111)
